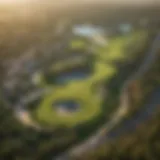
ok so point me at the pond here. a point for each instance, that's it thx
(68, 74)
(87, 30)
(67, 106)
(66, 77)
(76, 73)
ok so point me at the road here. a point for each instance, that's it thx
(108, 132)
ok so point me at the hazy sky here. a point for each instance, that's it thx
(62, 2)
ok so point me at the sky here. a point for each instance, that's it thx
(61, 2)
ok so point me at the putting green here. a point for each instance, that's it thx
(82, 90)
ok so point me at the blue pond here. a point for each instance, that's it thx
(66, 77)
(67, 105)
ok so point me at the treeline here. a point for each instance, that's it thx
(144, 142)
(18, 142)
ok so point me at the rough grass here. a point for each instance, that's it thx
(81, 90)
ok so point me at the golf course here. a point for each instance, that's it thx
(86, 91)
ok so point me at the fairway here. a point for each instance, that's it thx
(83, 91)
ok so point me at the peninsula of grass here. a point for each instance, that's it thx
(119, 49)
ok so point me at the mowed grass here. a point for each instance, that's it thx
(82, 90)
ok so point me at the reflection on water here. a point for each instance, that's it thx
(67, 106)
(87, 30)
(71, 76)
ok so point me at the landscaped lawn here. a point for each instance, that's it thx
(82, 90)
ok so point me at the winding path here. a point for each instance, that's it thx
(108, 132)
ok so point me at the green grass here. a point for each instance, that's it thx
(81, 90)
(78, 44)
